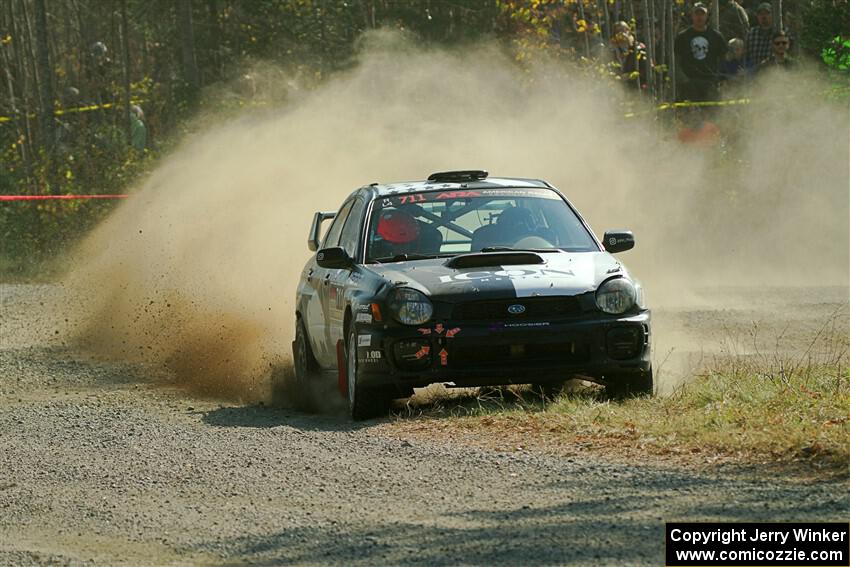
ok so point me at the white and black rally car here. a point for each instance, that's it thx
(469, 280)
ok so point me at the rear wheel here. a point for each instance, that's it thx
(363, 403)
(630, 385)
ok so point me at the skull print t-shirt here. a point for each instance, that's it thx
(699, 54)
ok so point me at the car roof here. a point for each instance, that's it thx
(377, 190)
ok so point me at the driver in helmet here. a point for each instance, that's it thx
(397, 233)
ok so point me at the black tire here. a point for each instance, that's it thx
(363, 403)
(305, 369)
(630, 385)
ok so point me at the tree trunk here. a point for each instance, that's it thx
(125, 44)
(23, 89)
(187, 45)
(671, 49)
(45, 91)
(715, 14)
(215, 38)
(647, 30)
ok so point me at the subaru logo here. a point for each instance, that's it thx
(516, 309)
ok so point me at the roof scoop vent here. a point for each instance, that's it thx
(458, 176)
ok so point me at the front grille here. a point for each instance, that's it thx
(535, 308)
(530, 354)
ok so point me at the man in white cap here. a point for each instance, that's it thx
(758, 44)
(699, 51)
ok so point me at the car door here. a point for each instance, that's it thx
(323, 350)
(339, 280)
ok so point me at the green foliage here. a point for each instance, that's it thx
(836, 54)
(823, 22)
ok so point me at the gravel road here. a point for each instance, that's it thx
(100, 467)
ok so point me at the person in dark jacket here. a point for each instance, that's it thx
(734, 21)
(758, 38)
(699, 52)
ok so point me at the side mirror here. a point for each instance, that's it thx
(316, 229)
(334, 258)
(618, 241)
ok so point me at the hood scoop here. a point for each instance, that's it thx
(482, 259)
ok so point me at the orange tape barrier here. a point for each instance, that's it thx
(57, 197)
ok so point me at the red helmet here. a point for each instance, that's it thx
(398, 227)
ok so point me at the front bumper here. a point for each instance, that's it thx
(492, 353)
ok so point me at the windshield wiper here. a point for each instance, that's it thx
(512, 249)
(403, 258)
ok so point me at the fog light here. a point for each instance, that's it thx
(624, 342)
(412, 354)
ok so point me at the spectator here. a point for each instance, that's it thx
(699, 52)
(734, 21)
(138, 132)
(735, 65)
(758, 38)
(780, 43)
(630, 54)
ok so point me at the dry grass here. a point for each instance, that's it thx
(765, 408)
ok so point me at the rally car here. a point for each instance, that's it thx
(466, 280)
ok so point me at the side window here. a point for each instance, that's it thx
(351, 230)
(332, 238)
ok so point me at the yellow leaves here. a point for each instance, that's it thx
(581, 26)
(6, 40)
(69, 175)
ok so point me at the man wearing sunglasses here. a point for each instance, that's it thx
(780, 43)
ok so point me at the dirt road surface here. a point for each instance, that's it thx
(99, 466)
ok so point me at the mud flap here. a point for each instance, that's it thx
(341, 379)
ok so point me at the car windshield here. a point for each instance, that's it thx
(445, 223)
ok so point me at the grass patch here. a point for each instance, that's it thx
(744, 408)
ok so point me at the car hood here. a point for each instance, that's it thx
(560, 273)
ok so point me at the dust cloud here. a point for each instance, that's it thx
(197, 271)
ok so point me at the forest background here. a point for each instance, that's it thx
(72, 71)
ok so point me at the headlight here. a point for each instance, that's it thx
(616, 296)
(409, 306)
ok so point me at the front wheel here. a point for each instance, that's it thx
(363, 403)
(630, 385)
(305, 369)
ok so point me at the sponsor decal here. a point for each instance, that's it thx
(371, 357)
(438, 328)
(500, 326)
(448, 193)
(444, 357)
(452, 332)
(422, 352)
(458, 194)
(516, 309)
(424, 331)
(363, 318)
(518, 274)
(414, 198)
(364, 340)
